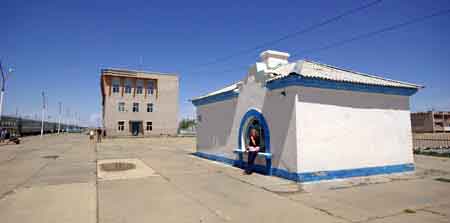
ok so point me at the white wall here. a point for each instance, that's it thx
(345, 130)
(279, 112)
(218, 131)
(215, 127)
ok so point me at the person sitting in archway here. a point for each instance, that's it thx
(252, 149)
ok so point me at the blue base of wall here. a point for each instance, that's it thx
(315, 176)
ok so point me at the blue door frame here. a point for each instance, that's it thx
(252, 113)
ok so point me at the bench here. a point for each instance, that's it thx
(267, 156)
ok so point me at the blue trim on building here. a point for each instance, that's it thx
(298, 80)
(316, 176)
(252, 113)
(213, 157)
(215, 98)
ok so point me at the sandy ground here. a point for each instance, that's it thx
(54, 179)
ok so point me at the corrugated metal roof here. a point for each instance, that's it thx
(323, 71)
(223, 90)
(313, 69)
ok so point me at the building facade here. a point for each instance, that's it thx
(431, 121)
(136, 103)
(315, 121)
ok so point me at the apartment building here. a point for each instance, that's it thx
(431, 121)
(137, 103)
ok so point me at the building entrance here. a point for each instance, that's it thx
(136, 127)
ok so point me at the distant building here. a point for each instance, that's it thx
(139, 103)
(315, 121)
(431, 121)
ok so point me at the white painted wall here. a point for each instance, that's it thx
(215, 128)
(345, 130)
(218, 131)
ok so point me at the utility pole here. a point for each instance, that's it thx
(43, 114)
(75, 115)
(59, 118)
(68, 119)
(4, 77)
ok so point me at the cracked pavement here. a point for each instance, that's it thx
(37, 187)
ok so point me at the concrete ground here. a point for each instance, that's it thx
(54, 179)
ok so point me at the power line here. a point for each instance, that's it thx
(294, 34)
(376, 32)
(365, 35)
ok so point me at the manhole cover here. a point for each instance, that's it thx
(119, 169)
(50, 157)
(117, 166)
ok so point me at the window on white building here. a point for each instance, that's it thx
(150, 107)
(135, 107)
(115, 85)
(139, 86)
(150, 87)
(120, 126)
(121, 107)
(128, 86)
(149, 126)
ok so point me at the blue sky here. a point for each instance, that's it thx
(60, 46)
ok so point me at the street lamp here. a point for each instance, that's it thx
(4, 77)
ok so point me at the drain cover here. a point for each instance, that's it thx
(50, 157)
(119, 169)
(117, 166)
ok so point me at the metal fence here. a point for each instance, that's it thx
(433, 144)
(431, 140)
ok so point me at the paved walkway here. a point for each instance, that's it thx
(54, 180)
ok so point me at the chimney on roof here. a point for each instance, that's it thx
(274, 58)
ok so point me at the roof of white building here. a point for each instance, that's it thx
(318, 70)
(313, 69)
(223, 90)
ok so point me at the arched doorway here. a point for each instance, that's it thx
(254, 119)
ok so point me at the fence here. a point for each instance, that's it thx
(433, 144)
(431, 140)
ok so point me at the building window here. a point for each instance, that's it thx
(149, 126)
(121, 126)
(150, 87)
(199, 118)
(115, 85)
(128, 86)
(150, 107)
(139, 86)
(121, 106)
(135, 107)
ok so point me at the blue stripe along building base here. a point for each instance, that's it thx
(315, 176)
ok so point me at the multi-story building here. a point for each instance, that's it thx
(139, 103)
(431, 121)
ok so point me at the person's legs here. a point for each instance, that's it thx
(251, 161)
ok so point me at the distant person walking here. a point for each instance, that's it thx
(253, 149)
(2, 135)
(99, 135)
(91, 134)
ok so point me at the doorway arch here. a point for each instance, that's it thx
(254, 118)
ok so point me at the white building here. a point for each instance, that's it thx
(316, 122)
